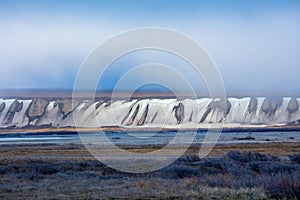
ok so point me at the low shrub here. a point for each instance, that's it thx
(295, 158)
(234, 171)
(249, 156)
(283, 187)
(181, 171)
(40, 168)
(189, 158)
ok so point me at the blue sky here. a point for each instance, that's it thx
(255, 44)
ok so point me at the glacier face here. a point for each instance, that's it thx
(148, 112)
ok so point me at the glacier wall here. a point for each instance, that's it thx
(148, 112)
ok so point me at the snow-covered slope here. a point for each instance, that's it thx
(149, 112)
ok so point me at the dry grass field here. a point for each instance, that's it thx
(241, 171)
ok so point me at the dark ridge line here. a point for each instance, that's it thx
(179, 112)
(2, 107)
(154, 117)
(14, 107)
(270, 105)
(33, 103)
(128, 113)
(144, 116)
(132, 118)
(252, 107)
(293, 105)
(191, 116)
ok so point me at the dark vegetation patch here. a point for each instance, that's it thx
(244, 138)
(188, 176)
(295, 158)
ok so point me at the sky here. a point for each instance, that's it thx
(255, 44)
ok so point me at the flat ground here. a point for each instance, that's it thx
(51, 171)
(79, 152)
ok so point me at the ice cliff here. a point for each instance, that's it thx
(148, 112)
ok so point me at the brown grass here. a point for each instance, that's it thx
(79, 152)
